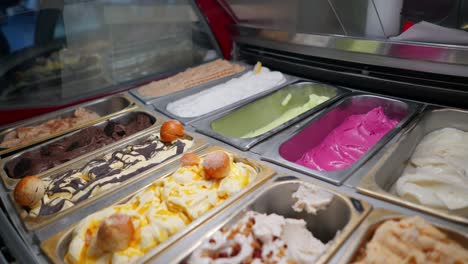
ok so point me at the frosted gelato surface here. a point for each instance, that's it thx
(158, 212)
(436, 172)
(273, 110)
(411, 240)
(348, 142)
(232, 91)
(261, 238)
(75, 186)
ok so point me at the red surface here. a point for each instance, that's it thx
(407, 25)
(217, 18)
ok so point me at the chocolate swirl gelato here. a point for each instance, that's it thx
(74, 186)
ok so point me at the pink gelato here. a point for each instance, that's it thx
(348, 142)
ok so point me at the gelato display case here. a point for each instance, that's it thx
(226, 131)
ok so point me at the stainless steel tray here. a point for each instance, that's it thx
(42, 221)
(105, 107)
(150, 100)
(376, 218)
(317, 128)
(335, 223)
(56, 246)
(161, 103)
(10, 183)
(380, 180)
(257, 107)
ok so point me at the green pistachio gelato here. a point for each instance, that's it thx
(273, 110)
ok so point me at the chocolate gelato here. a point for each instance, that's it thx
(75, 145)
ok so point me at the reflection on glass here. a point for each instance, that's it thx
(57, 51)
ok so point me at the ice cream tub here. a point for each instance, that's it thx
(56, 246)
(321, 127)
(104, 108)
(245, 126)
(161, 104)
(379, 216)
(382, 179)
(118, 155)
(203, 82)
(26, 162)
(333, 216)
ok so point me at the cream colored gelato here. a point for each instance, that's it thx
(158, 212)
(411, 240)
(436, 174)
(311, 199)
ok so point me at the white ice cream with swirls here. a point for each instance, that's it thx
(436, 174)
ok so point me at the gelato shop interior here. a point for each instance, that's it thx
(233, 132)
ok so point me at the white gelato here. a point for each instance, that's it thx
(436, 174)
(221, 95)
(311, 199)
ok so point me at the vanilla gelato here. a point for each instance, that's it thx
(158, 212)
(436, 174)
(411, 240)
(249, 84)
(311, 199)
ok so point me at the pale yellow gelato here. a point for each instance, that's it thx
(158, 212)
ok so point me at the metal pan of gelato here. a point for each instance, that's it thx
(219, 96)
(192, 77)
(307, 225)
(87, 180)
(22, 134)
(334, 143)
(390, 237)
(145, 223)
(63, 150)
(249, 124)
(426, 168)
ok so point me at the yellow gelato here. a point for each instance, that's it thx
(158, 212)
